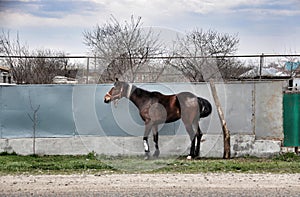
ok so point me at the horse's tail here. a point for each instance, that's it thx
(205, 107)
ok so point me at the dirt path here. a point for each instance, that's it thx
(210, 184)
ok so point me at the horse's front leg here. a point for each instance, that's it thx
(155, 139)
(148, 127)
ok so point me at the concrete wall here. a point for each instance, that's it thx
(212, 146)
(72, 119)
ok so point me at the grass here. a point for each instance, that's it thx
(33, 164)
(92, 164)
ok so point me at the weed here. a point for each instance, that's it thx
(289, 157)
(7, 153)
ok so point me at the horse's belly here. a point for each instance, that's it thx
(172, 120)
(174, 116)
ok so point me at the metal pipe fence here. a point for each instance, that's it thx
(89, 65)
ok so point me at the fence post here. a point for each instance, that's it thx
(95, 63)
(261, 64)
(87, 70)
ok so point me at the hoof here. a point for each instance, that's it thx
(189, 157)
(156, 153)
(147, 156)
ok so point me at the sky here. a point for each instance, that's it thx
(262, 26)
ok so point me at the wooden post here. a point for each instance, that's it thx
(226, 133)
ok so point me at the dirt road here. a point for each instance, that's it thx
(210, 184)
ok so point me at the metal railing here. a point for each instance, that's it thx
(89, 63)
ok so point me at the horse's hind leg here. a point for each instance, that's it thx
(192, 150)
(191, 133)
(199, 135)
(155, 139)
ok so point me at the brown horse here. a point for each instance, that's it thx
(156, 108)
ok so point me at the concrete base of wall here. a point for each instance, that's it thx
(211, 146)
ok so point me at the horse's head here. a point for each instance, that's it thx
(116, 92)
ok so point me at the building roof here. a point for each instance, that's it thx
(4, 68)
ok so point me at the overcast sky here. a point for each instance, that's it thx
(263, 26)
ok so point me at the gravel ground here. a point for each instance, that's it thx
(204, 184)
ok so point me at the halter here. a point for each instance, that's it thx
(117, 95)
(129, 90)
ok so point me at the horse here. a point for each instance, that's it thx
(156, 108)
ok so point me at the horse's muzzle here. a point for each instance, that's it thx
(107, 99)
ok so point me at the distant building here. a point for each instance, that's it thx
(64, 80)
(159, 74)
(292, 66)
(67, 76)
(268, 72)
(294, 69)
(5, 75)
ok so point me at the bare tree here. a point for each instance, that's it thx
(14, 48)
(32, 67)
(124, 48)
(203, 56)
(35, 122)
(290, 63)
(44, 69)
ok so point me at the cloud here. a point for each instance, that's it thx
(50, 9)
(24, 13)
(253, 18)
(269, 8)
(154, 12)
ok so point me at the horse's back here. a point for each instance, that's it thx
(191, 102)
(187, 99)
(185, 94)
